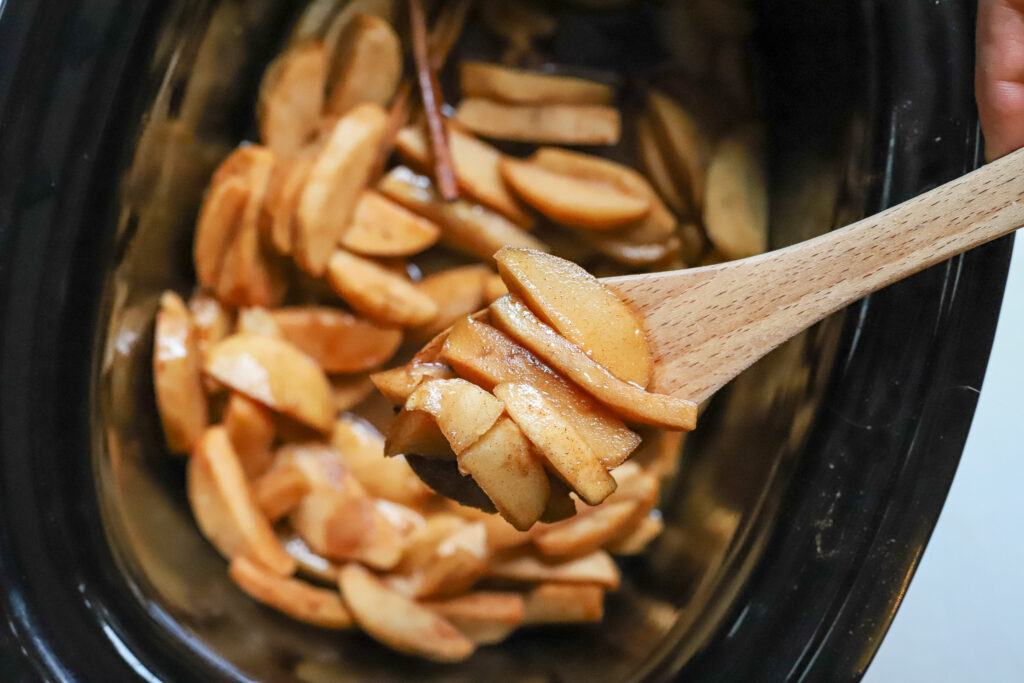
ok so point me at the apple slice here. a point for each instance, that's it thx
(736, 204)
(350, 390)
(494, 288)
(458, 292)
(656, 167)
(292, 97)
(682, 145)
(454, 565)
(397, 621)
(557, 441)
(362, 448)
(639, 537)
(211, 320)
(398, 383)
(311, 565)
(484, 617)
(345, 525)
(221, 214)
(487, 357)
(505, 466)
(636, 255)
(416, 433)
(224, 507)
(581, 309)
(476, 169)
(336, 340)
(257, 320)
(558, 603)
(251, 430)
(570, 200)
(367, 64)
(276, 374)
(463, 411)
(332, 188)
(294, 597)
(588, 530)
(496, 82)
(465, 226)
(560, 124)
(280, 210)
(522, 564)
(630, 401)
(373, 290)
(380, 227)
(280, 490)
(177, 378)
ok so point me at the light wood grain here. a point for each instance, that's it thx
(706, 325)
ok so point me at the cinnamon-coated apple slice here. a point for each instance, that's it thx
(362, 448)
(736, 203)
(177, 378)
(337, 340)
(373, 290)
(588, 530)
(458, 292)
(523, 564)
(250, 427)
(485, 617)
(506, 84)
(366, 65)
(559, 603)
(463, 411)
(560, 124)
(294, 597)
(381, 227)
(280, 490)
(291, 98)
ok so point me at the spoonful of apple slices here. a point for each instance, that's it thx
(517, 405)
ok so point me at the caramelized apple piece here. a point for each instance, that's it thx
(496, 82)
(475, 165)
(487, 357)
(682, 145)
(465, 226)
(559, 603)
(639, 537)
(570, 200)
(350, 390)
(656, 166)
(484, 617)
(397, 384)
(177, 379)
(292, 97)
(293, 597)
(494, 288)
(224, 507)
(367, 65)
(581, 309)
(281, 210)
(211, 320)
(336, 340)
(373, 290)
(588, 530)
(557, 441)
(334, 183)
(416, 433)
(736, 205)
(503, 463)
(522, 564)
(458, 292)
(562, 124)
(630, 401)
(257, 320)
(451, 567)
(397, 621)
(276, 374)
(380, 227)
(219, 219)
(362, 448)
(251, 430)
(463, 411)
(280, 491)
(311, 565)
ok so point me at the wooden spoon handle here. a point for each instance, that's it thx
(708, 324)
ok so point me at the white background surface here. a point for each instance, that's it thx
(962, 620)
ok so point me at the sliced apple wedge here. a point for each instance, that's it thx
(476, 169)
(487, 357)
(397, 621)
(350, 390)
(494, 288)
(484, 617)
(311, 565)
(280, 490)
(294, 597)
(373, 290)
(219, 218)
(211, 320)
(177, 377)
(736, 206)
(559, 603)
(518, 86)
(522, 564)
(639, 537)
(656, 167)
(280, 211)
(683, 146)
(560, 124)
(570, 200)
(380, 227)
(344, 525)
(455, 564)
(367, 65)
(463, 411)
(396, 384)
(276, 374)
(292, 97)
(332, 188)
(458, 292)
(250, 427)
(505, 466)
(588, 530)
(416, 433)
(336, 340)
(225, 509)
(362, 448)
(630, 401)
(557, 441)
(465, 226)
(636, 255)
(581, 309)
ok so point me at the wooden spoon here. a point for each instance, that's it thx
(706, 325)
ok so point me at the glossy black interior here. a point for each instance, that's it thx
(803, 503)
